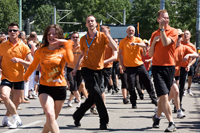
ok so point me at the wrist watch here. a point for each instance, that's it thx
(162, 29)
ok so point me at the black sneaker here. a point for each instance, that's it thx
(183, 109)
(154, 102)
(175, 111)
(125, 101)
(156, 121)
(171, 127)
(76, 122)
(103, 126)
(141, 96)
(134, 106)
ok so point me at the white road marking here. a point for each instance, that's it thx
(22, 127)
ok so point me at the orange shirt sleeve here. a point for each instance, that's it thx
(33, 65)
(174, 35)
(69, 57)
(106, 41)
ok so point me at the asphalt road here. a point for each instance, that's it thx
(122, 117)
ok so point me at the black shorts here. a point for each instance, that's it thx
(15, 85)
(56, 92)
(177, 78)
(191, 72)
(163, 77)
(74, 81)
(106, 73)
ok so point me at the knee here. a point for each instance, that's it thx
(164, 97)
(4, 96)
(50, 115)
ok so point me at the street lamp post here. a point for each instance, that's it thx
(20, 15)
(197, 23)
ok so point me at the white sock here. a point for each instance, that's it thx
(16, 117)
(6, 118)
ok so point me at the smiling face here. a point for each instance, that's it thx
(75, 38)
(13, 32)
(91, 23)
(130, 31)
(51, 35)
(165, 16)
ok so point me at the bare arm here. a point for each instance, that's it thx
(165, 40)
(142, 44)
(152, 47)
(121, 64)
(37, 76)
(111, 43)
(33, 48)
(25, 62)
(144, 52)
(111, 59)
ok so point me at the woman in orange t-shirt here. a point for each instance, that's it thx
(52, 57)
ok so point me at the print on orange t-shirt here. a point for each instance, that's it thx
(131, 54)
(95, 60)
(185, 63)
(52, 64)
(10, 70)
(164, 55)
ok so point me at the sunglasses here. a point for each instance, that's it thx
(13, 30)
(75, 37)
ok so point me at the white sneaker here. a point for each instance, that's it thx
(180, 114)
(190, 92)
(162, 114)
(79, 104)
(93, 111)
(185, 92)
(69, 104)
(16, 124)
(6, 122)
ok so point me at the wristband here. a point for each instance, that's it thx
(37, 73)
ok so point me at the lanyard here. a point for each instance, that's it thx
(88, 44)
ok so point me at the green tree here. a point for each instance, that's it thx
(8, 13)
(43, 18)
(80, 9)
(182, 15)
(98, 8)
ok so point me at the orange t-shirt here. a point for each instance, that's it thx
(132, 54)
(180, 53)
(185, 63)
(52, 64)
(164, 55)
(76, 51)
(10, 70)
(95, 57)
(108, 53)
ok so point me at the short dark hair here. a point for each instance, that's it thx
(13, 24)
(161, 11)
(91, 16)
(74, 32)
(33, 34)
